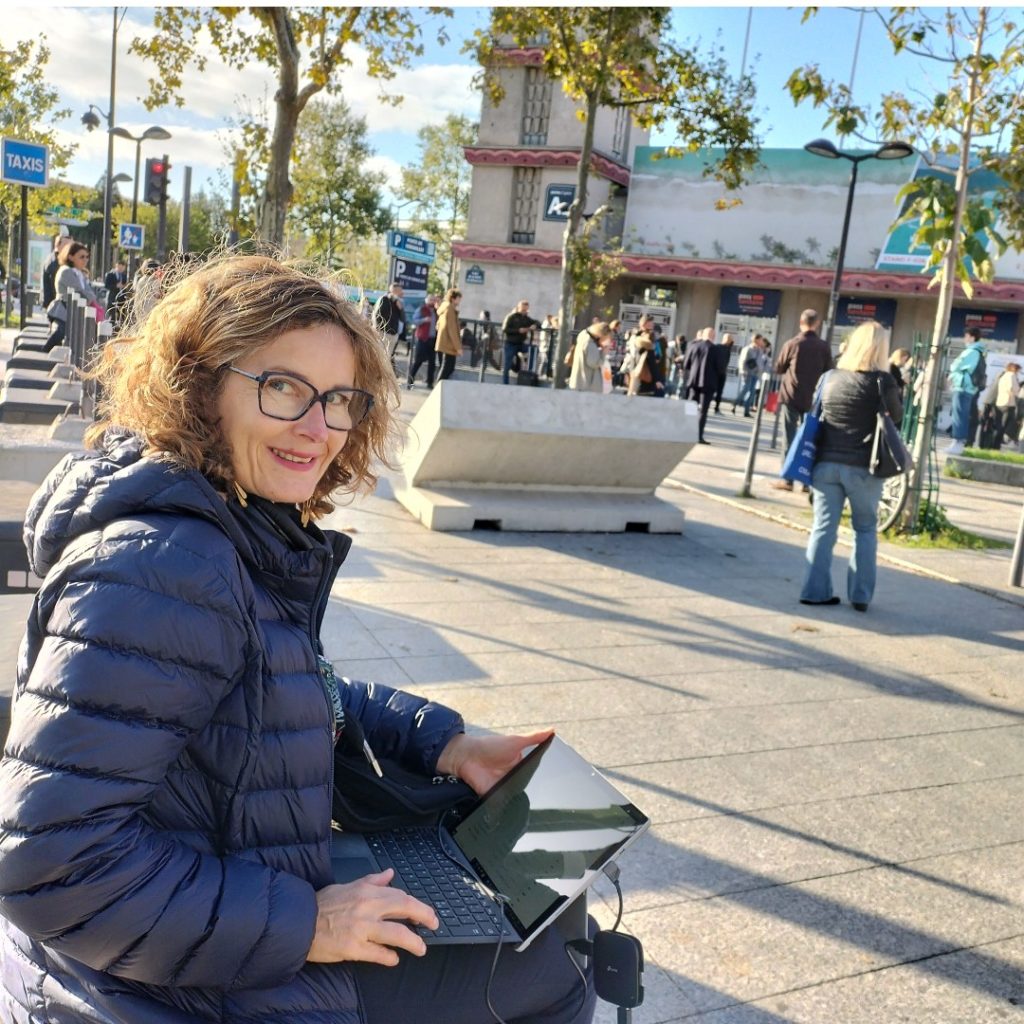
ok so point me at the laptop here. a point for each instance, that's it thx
(539, 837)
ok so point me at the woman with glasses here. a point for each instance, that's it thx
(167, 781)
(72, 277)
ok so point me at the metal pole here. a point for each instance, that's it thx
(133, 259)
(755, 432)
(161, 221)
(186, 209)
(24, 255)
(833, 299)
(108, 191)
(1017, 562)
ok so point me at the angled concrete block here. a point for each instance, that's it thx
(537, 459)
(66, 391)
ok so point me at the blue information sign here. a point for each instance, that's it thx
(25, 163)
(411, 247)
(557, 200)
(131, 236)
(475, 275)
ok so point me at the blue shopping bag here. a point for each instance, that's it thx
(798, 464)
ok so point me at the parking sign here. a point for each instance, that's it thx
(131, 236)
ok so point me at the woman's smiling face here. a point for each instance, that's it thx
(277, 459)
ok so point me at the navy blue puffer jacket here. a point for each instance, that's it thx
(165, 790)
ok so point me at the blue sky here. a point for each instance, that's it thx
(79, 38)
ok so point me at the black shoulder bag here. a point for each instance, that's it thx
(889, 455)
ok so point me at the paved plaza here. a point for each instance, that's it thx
(836, 796)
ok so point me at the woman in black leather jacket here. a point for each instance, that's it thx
(851, 395)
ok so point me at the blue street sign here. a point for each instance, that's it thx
(557, 200)
(131, 236)
(411, 247)
(411, 276)
(475, 275)
(25, 163)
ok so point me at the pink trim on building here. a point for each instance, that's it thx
(518, 156)
(820, 278)
(523, 55)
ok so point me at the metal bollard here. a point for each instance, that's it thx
(755, 432)
(1017, 562)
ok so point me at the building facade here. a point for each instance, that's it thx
(751, 266)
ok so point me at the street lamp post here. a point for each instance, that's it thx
(91, 120)
(155, 132)
(824, 148)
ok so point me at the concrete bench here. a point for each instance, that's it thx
(39, 360)
(27, 405)
(483, 456)
(39, 379)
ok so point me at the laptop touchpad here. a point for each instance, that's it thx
(348, 869)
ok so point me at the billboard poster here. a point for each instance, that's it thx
(994, 324)
(749, 301)
(899, 252)
(853, 311)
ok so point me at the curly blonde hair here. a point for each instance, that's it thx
(162, 378)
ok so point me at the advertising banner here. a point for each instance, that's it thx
(898, 252)
(994, 324)
(750, 301)
(853, 311)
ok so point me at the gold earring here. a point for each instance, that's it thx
(306, 512)
(243, 498)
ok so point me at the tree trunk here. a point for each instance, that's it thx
(277, 192)
(932, 375)
(567, 302)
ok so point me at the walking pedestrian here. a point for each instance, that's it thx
(723, 353)
(850, 405)
(389, 318)
(449, 340)
(968, 376)
(752, 363)
(700, 369)
(589, 351)
(801, 362)
(516, 328)
(424, 335)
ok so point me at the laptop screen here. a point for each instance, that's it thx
(543, 832)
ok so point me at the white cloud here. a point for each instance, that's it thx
(79, 42)
(392, 168)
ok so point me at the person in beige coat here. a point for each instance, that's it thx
(589, 350)
(449, 338)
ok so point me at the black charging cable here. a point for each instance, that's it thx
(499, 900)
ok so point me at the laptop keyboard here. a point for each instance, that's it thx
(423, 870)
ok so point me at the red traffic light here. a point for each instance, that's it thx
(157, 166)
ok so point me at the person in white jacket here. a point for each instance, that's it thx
(589, 350)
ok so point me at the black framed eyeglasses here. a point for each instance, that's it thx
(283, 396)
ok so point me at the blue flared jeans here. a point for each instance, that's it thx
(831, 486)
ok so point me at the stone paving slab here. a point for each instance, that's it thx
(821, 838)
(749, 945)
(672, 791)
(976, 986)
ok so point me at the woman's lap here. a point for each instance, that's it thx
(448, 985)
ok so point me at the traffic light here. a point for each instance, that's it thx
(156, 180)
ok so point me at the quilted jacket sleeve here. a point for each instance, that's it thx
(135, 642)
(401, 725)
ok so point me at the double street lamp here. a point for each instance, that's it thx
(822, 147)
(154, 132)
(150, 133)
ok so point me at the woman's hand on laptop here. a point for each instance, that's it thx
(481, 761)
(363, 920)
